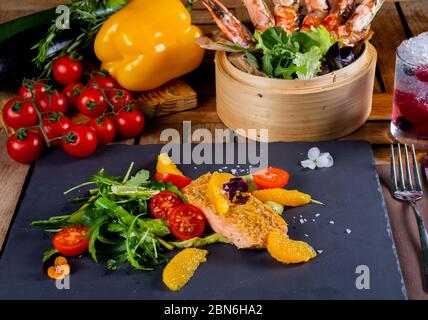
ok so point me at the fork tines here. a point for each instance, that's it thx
(398, 181)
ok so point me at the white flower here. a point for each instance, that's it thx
(317, 159)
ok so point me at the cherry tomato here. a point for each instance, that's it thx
(271, 178)
(19, 114)
(38, 87)
(129, 123)
(102, 80)
(91, 103)
(179, 181)
(72, 91)
(66, 70)
(52, 102)
(119, 98)
(80, 141)
(71, 241)
(55, 126)
(104, 129)
(162, 203)
(186, 221)
(24, 146)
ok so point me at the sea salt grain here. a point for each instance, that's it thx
(306, 235)
(233, 171)
(313, 220)
(320, 251)
(302, 221)
(317, 215)
(220, 170)
(348, 231)
(331, 222)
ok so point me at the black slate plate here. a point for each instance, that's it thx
(351, 189)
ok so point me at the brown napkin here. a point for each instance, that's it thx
(406, 235)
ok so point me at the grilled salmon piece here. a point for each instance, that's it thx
(245, 225)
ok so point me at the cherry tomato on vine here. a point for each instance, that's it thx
(55, 126)
(67, 70)
(129, 123)
(186, 221)
(91, 103)
(19, 114)
(119, 98)
(37, 87)
(179, 181)
(80, 141)
(162, 203)
(271, 178)
(24, 146)
(72, 91)
(52, 102)
(71, 241)
(102, 80)
(104, 129)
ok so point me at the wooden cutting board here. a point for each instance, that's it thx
(352, 234)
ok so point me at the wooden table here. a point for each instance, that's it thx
(394, 23)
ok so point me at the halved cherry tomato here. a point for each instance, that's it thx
(162, 203)
(179, 181)
(271, 178)
(186, 221)
(71, 241)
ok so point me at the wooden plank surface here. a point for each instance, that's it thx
(416, 14)
(12, 178)
(386, 39)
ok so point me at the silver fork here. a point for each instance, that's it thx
(405, 190)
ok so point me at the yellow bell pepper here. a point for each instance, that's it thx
(148, 43)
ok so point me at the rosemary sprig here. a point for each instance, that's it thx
(88, 16)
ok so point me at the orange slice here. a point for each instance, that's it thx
(165, 165)
(288, 251)
(182, 267)
(215, 191)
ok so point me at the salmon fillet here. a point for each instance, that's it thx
(245, 225)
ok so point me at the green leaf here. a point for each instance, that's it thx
(252, 59)
(323, 39)
(139, 179)
(48, 254)
(201, 242)
(267, 64)
(311, 60)
(93, 232)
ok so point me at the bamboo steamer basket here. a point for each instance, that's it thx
(324, 108)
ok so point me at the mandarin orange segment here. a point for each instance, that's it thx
(58, 272)
(165, 165)
(215, 191)
(288, 251)
(60, 260)
(182, 267)
(289, 198)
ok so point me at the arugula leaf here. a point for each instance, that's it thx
(142, 177)
(93, 232)
(201, 242)
(48, 254)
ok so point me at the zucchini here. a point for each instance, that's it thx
(11, 28)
